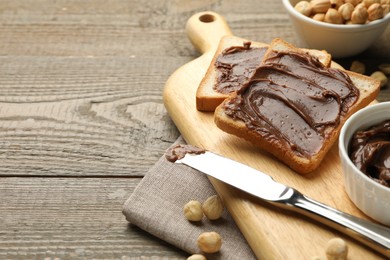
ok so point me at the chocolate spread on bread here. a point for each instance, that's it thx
(235, 65)
(294, 101)
(369, 150)
(178, 152)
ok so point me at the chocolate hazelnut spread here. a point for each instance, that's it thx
(369, 150)
(293, 101)
(178, 152)
(235, 65)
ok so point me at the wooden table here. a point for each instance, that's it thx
(82, 117)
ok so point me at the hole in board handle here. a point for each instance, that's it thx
(207, 18)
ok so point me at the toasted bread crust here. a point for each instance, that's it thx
(368, 90)
(207, 99)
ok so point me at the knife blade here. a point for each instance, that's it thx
(262, 186)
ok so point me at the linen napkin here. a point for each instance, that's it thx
(156, 206)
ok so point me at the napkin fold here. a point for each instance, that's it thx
(156, 206)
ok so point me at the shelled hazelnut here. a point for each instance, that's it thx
(336, 3)
(353, 2)
(318, 258)
(333, 16)
(319, 17)
(193, 210)
(336, 249)
(368, 3)
(358, 67)
(213, 207)
(344, 11)
(375, 12)
(320, 6)
(197, 257)
(209, 242)
(304, 8)
(379, 75)
(359, 14)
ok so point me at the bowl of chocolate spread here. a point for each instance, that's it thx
(364, 148)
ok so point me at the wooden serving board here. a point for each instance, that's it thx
(271, 232)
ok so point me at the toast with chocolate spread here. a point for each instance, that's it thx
(234, 62)
(294, 106)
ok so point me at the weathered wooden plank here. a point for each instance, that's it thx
(73, 116)
(69, 28)
(72, 218)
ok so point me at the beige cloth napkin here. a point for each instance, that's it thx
(156, 206)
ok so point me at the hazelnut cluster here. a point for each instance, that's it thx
(344, 11)
(212, 208)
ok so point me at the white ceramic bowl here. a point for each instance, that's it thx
(339, 40)
(369, 196)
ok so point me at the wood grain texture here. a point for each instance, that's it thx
(81, 87)
(77, 218)
(82, 116)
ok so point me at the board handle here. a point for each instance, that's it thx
(205, 30)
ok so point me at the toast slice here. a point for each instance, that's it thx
(209, 95)
(297, 121)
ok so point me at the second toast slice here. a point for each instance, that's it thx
(234, 62)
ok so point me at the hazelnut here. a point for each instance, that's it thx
(209, 242)
(336, 249)
(346, 10)
(358, 67)
(304, 8)
(193, 210)
(379, 75)
(336, 3)
(333, 16)
(368, 3)
(375, 12)
(385, 2)
(320, 6)
(359, 15)
(385, 68)
(197, 257)
(353, 2)
(213, 207)
(319, 17)
(386, 9)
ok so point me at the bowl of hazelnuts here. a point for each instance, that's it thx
(344, 28)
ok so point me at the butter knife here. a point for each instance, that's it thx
(260, 185)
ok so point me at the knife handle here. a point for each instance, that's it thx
(371, 234)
